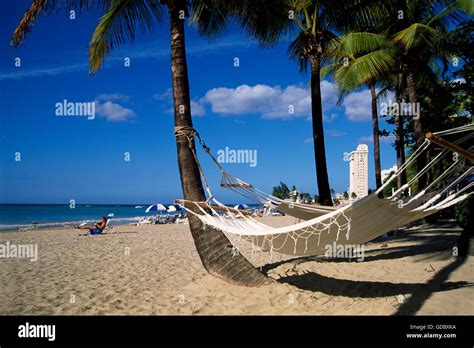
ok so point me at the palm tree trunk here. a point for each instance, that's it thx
(400, 142)
(324, 190)
(375, 127)
(418, 129)
(213, 247)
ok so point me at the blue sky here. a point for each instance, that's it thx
(244, 107)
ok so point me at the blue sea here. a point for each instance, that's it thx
(14, 216)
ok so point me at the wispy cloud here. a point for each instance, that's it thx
(113, 97)
(166, 97)
(19, 73)
(336, 133)
(330, 132)
(390, 139)
(144, 51)
(161, 49)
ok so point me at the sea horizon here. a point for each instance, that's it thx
(49, 215)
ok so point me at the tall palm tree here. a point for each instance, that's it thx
(361, 58)
(420, 36)
(270, 20)
(314, 24)
(117, 25)
(417, 32)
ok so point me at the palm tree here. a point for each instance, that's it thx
(315, 23)
(420, 38)
(402, 49)
(268, 21)
(360, 58)
(117, 25)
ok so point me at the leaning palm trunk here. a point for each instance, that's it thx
(318, 133)
(213, 247)
(375, 127)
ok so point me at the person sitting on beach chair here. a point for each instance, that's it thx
(98, 227)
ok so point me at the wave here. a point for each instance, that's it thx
(43, 225)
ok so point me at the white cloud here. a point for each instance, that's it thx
(329, 118)
(309, 141)
(358, 106)
(197, 109)
(366, 139)
(113, 112)
(271, 102)
(389, 139)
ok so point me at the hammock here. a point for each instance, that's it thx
(355, 223)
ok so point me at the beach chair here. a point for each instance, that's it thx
(32, 227)
(108, 227)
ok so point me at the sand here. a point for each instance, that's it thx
(153, 270)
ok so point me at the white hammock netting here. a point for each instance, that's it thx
(353, 224)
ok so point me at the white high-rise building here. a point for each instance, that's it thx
(359, 171)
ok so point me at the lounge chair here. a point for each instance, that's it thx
(32, 227)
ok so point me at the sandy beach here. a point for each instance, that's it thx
(155, 269)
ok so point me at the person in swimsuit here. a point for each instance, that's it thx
(98, 227)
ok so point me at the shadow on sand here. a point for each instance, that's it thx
(434, 245)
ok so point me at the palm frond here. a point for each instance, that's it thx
(297, 50)
(39, 7)
(210, 16)
(265, 20)
(415, 35)
(467, 6)
(359, 43)
(118, 25)
(364, 69)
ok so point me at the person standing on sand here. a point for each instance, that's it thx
(98, 227)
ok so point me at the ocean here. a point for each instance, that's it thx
(15, 216)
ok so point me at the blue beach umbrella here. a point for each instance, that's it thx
(241, 207)
(156, 207)
(174, 208)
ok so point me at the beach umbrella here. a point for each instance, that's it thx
(241, 206)
(174, 208)
(156, 207)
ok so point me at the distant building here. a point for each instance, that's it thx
(296, 196)
(359, 172)
(339, 199)
(385, 173)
